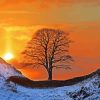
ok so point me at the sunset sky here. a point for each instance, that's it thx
(19, 19)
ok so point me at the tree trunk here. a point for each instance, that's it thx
(50, 74)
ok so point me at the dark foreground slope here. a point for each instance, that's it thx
(44, 84)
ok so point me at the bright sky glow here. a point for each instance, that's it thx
(8, 56)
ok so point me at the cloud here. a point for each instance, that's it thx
(43, 3)
(64, 2)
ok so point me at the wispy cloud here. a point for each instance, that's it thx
(44, 3)
(17, 12)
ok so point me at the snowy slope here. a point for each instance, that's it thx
(88, 89)
(7, 70)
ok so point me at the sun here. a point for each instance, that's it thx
(8, 56)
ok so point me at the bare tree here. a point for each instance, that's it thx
(48, 48)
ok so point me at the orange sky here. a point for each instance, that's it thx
(19, 19)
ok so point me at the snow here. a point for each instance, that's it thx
(61, 93)
(88, 89)
(7, 70)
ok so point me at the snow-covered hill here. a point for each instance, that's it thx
(7, 70)
(87, 89)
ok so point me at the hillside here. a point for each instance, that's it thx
(55, 83)
(14, 86)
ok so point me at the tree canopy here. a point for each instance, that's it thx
(48, 48)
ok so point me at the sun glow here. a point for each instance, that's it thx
(8, 56)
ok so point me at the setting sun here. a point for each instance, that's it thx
(8, 56)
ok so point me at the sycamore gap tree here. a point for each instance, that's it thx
(48, 48)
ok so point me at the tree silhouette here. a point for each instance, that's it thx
(48, 48)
